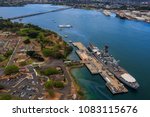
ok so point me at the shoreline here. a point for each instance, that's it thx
(79, 90)
(120, 13)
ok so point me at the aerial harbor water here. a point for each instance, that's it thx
(129, 42)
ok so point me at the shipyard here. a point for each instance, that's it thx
(96, 67)
(100, 62)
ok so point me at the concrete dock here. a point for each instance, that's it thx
(96, 67)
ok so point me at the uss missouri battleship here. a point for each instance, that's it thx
(112, 65)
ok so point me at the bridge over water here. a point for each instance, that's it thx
(39, 13)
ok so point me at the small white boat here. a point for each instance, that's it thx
(66, 36)
(70, 41)
(65, 26)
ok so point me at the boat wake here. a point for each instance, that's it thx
(102, 93)
(96, 89)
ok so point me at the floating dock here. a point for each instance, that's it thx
(96, 67)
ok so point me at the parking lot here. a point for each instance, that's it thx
(26, 86)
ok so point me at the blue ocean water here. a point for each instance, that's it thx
(129, 42)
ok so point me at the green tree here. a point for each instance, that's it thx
(1, 87)
(46, 52)
(2, 58)
(35, 55)
(50, 71)
(27, 41)
(58, 84)
(53, 53)
(11, 70)
(41, 36)
(49, 84)
(23, 63)
(68, 50)
(5, 97)
(8, 53)
(33, 34)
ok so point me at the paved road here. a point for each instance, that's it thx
(10, 62)
(24, 85)
(36, 80)
(67, 90)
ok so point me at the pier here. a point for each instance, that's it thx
(96, 67)
(40, 13)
